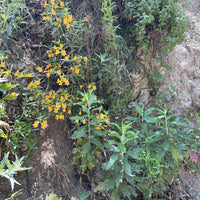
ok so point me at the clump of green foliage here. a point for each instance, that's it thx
(12, 13)
(8, 169)
(160, 21)
(140, 154)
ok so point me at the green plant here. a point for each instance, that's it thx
(12, 13)
(161, 21)
(89, 131)
(165, 140)
(82, 196)
(52, 197)
(8, 169)
(120, 168)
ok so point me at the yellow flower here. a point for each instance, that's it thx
(48, 75)
(65, 20)
(77, 120)
(68, 25)
(44, 18)
(61, 98)
(83, 99)
(66, 58)
(97, 127)
(70, 18)
(67, 96)
(44, 124)
(16, 73)
(71, 68)
(62, 117)
(86, 19)
(89, 86)
(95, 98)
(77, 71)
(75, 57)
(107, 120)
(80, 113)
(81, 86)
(50, 109)
(59, 72)
(56, 6)
(85, 59)
(63, 53)
(53, 12)
(55, 110)
(2, 64)
(94, 87)
(61, 45)
(61, 3)
(66, 82)
(36, 124)
(37, 82)
(45, 3)
(59, 82)
(52, 2)
(29, 75)
(84, 121)
(54, 95)
(101, 116)
(64, 105)
(58, 105)
(69, 112)
(54, 47)
(39, 69)
(57, 51)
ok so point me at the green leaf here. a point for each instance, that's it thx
(164, 51)
(2, 134)
(114, 134)
(114, 195)
(127, 167)
(79, 134)
(91, 100)
(11, 96)
(174, 153)
(4, 87)
(84, 195)
(122, 148)
(111, 161)
(139, 110)
(101, 186)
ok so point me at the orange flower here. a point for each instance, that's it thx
(63, 53)
(52, 2)
(68, 25)
(36, 124)
(2, 64)
(61, 3)
(77, 71)
(67, 96)
(53, 12)
(50, 109)
(59, 72)
(85, 59)
(69, 112)
(44, 124)
(65, 20)
(70, 18)
(45, 3)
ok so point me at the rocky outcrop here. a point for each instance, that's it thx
(182, 82)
